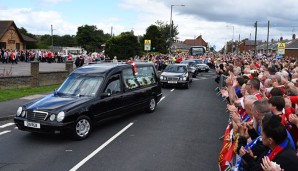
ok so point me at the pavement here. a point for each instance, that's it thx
(23, 68)
(8, 108)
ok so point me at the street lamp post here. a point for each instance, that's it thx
(52, 38)
(233, 32)
(171, 24)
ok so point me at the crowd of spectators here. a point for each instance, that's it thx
(262, 103)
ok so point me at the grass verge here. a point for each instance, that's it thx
(10, 94)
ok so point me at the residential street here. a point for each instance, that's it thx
(182, 134)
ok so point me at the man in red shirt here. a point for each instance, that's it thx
(50, 56)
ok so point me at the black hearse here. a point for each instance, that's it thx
(92, 94)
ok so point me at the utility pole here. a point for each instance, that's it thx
(111, 31)
(267, 52)
(256, 25)
(171, 29)
(171, 25)
(52, 37)
(194, 40)
(238, 50)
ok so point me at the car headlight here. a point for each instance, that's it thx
(161, 77)
(184, 78)
(52, 117)
(23, 113)
(60, 116)
(19, 111)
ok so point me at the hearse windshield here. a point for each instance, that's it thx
(80, 85)
(199, 62)
(175, 69)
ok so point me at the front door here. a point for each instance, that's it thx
(111, 105)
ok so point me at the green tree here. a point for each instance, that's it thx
(91, 38)
(44, 42)
(29, 45)
(153, 33)
(65, 41)
(123, 46)
(159, 34)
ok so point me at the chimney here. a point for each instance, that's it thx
(294, 36)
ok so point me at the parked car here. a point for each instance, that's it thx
(201, 66)
(192, 67)
(176, 75)
(91, 95)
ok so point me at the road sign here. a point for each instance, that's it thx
(147, 45)
(281, 48)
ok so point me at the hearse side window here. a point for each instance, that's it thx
(113, 85)
(146, 76)
(130, 80)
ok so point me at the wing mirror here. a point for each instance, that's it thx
(55, 92)
(108, 93)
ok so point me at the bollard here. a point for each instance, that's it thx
(35, 73)
(69, 66)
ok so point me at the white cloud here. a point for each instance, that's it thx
(208, 18)
(51, 2)
(39, 22)
(211, 18)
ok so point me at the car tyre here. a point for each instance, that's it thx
(187, 85)
(151, 105)
(195, 75)
(206, 70)
(82, 128)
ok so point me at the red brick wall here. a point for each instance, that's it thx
(292, 52)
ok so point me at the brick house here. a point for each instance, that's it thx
(292, 48)
(247, 45)
(199, 41)
(11, 37)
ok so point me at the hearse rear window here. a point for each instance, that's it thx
(145, 77)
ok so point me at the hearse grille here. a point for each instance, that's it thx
(37, 115)
(173, 78)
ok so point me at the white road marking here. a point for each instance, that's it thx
(4, 132)
(172, 90)
(6, 125)
(161, 99)
(81, 163)
(16, 128)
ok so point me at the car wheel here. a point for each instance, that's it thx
(195, 75)
(82, 128)
(151, 105)
(206, 70)
(187, 85)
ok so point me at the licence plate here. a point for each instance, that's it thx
(172, 82)
(31, 124)
(203, 69)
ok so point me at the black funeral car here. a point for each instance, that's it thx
(201, 66)
(176, 75)
(90, 95)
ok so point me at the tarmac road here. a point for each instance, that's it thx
(182, 134)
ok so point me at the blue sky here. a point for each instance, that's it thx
(213, 19)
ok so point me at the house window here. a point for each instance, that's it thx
(18, 46)
(3, 45)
